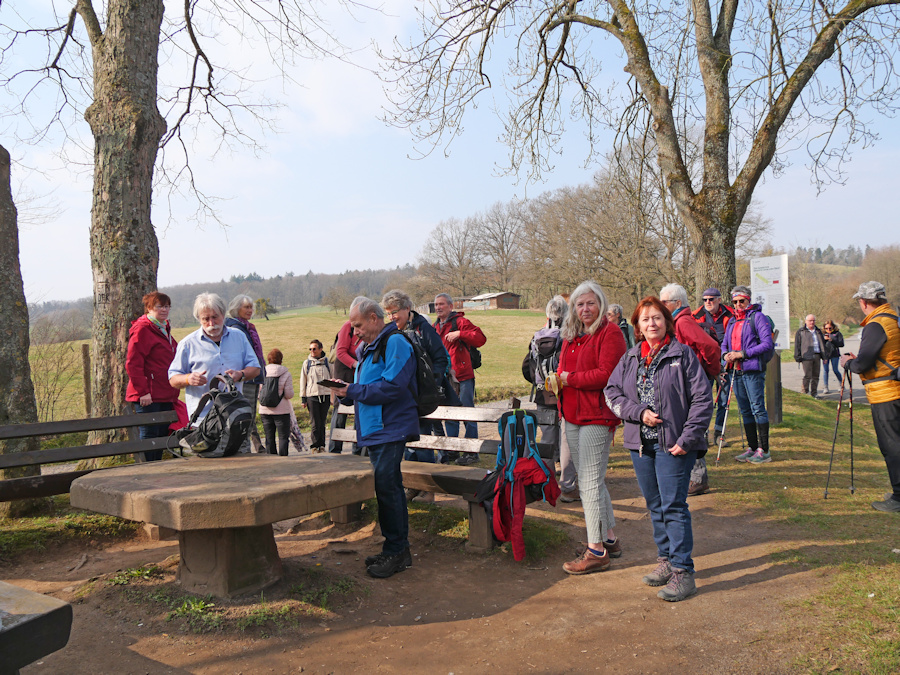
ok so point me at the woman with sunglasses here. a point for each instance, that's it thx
(748, 338)
(831, 354)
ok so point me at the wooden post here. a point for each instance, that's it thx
(773, 389)
(86, 377)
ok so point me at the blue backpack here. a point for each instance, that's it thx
(518, 440)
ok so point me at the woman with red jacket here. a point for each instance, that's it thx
(151, 349)
(592, 346)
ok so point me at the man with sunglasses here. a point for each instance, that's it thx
(747, 346)
(716, 315)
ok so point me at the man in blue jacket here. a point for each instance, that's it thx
(384, 403)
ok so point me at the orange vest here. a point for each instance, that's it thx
(880, 384)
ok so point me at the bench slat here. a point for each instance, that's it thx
(92, 424)
(463, 414)
(482, 447)
(445, 479)
(80, 452)
(39, 486)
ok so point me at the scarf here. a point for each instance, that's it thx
(649, 353)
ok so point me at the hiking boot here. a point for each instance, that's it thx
(660, 574)
(760, 457)
(721, 439)
(681, 585)
(614, 548)
(467, 459)
(587, 563)
(695, 489)
(890, 505)
(383, 566)
(411, 493)
(744, 456)
(570, 496)
(372, 559)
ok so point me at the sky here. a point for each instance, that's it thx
(336, 188)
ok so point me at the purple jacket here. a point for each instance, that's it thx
(753, 343)
(683, 398)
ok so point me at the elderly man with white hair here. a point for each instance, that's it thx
(211, 350)
(809, 348)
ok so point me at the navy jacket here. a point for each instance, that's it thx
(384, 393)
(432, 344)
(683, 398)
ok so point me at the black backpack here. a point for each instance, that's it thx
(268, 393)
(543, 359)
(226, 425)
(474, 353)
(430, 393)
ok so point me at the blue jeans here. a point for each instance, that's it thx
(835, 363)
(392, 514)
(467, 399)
(722, 401)
(421, 454)
(663, 479)
(750, 392)
(153, 430)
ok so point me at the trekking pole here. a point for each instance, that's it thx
(725, 419)
(837, 419)
(850, 384)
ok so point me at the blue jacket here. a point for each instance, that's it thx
(754, 343)
(432, 344)
(384, 393)
(683, 398)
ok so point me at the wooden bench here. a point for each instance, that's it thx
(59, 483)
(459, 480)
(31, 627)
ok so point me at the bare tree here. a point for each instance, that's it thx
(754, 78)
(17, 400)
(110, 73)
(452, 257)
(499, 238)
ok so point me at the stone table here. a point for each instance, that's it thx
(223, 509)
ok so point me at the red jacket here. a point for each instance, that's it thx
(689, 333)
(510, 500)
(149, 355)
(470, 335)
(590, 360)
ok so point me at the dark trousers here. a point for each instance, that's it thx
(318, 414)
(281, 424)
(392, 514)
(153, 430)
(811, 368)
(886, 418)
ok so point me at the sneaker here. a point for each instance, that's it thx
(681, 585)
(570, 496)
(372, 559)
(587, 563)
(826, 391)
(427, 497)
(411, 493)
(388, 565)
(695, 489)
(890, 505)
(760, 457)
(614, 548)
(721, 439)
(660, 575)
(467, 459)
(744, 456)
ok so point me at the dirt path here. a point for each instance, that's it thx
(454, 612)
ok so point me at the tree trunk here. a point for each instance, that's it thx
(713, 222)
(127, 128)
(17, 404)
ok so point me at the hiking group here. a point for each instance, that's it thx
(664, 374)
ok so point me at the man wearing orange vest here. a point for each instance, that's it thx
(877, 364)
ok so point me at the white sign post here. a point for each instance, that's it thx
(769, 287)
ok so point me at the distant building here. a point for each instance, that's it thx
(502, 300)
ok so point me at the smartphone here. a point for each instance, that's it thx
(334, 384)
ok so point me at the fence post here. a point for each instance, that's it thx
(86, 377)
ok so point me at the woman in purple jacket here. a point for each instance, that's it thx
(661, 393)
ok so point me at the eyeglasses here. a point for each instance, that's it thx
(741, 301)
(313, 349)
(709, 299)
(666, 302)
(395, 312)
(158, 308)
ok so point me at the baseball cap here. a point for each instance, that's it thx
(871, 290)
